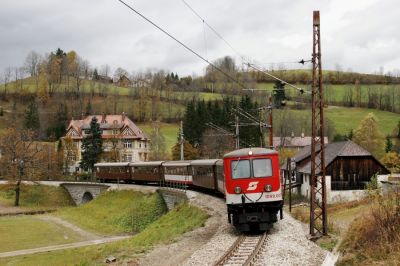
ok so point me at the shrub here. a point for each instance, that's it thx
(374, 237)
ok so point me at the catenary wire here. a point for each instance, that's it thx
(182, 44)
(301, 90)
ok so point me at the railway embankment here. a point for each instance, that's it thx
(123, 212)
(287, 242)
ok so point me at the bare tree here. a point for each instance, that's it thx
(105, 70)
(70, 152)
(32, 66)
(119, 72)
(6, 78)
(20, 157)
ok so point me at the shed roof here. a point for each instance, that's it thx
(332, 151)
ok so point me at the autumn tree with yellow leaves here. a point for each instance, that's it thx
(369, 137)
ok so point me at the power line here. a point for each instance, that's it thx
(302, 61)
(211, 28)
(182, 44)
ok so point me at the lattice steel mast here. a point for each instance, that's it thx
(318, 216)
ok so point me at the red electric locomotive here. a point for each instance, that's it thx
(252, 188)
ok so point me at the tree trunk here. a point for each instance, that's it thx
(17, 190)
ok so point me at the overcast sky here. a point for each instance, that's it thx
(360, 35)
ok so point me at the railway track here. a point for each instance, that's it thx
(245, 251)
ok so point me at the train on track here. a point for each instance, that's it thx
(248, 178)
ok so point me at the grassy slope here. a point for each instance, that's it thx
(15, 236)
(170, 132)
(340, 216)
(173, 224)
(374, 237)
(339, 115)
(346, 118)
(36, 196)
(116, 212)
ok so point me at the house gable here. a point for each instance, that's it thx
(72, 133)
(127, 132)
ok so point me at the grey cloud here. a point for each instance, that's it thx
(361, 35)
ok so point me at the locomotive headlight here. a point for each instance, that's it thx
(268, 188)
(238, 190)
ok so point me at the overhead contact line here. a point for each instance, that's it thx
(182, 44)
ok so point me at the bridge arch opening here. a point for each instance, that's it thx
(87, 196)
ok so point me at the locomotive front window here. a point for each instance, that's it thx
(240, 169)
(262, 167)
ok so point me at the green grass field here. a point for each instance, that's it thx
(168, 228)
(345, 118)
(116, 212)
(170, 132)
(349, 118)
(36, 196)
(24, 232)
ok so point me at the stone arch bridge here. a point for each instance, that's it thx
(84, 192)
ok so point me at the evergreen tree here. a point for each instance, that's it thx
(388, 144)
(60, 123)
(351, 134)
(32, 121)
(91, 146)
(1, 111)
(95, 74)
(250, 135)
(189, 122)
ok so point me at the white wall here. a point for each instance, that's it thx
(335, 196)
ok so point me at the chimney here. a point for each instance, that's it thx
(103, 118)
(123, 116)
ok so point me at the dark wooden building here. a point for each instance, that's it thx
(349, 165)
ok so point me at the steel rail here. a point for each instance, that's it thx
(238, 251)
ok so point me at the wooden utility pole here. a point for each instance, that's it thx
(318, 215)
(182, 140)
(271, 131)
(237, 131)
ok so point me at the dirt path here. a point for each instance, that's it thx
(64, 246)
(7, 209)
(92, 239)
(87, 235)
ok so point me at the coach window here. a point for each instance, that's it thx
(262, 167)
(240, 169)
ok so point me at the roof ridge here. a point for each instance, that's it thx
(345, 145)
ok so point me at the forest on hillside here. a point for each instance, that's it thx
(50, 89)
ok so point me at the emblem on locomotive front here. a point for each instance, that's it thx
(252, 186)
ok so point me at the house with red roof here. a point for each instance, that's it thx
(123, 141)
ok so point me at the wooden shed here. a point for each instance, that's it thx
(349, 165)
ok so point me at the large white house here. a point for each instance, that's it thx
(122, 140)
